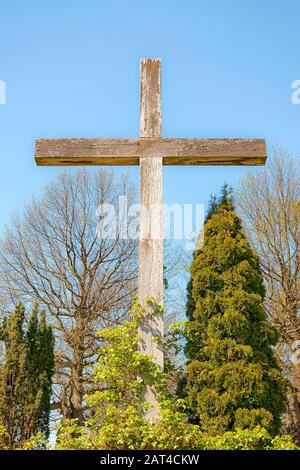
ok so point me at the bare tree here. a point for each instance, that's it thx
(53, 255)
(269, 203)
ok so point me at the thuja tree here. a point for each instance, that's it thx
(25, 376)
(232, 379)
(39, 343)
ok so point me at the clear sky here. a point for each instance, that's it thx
(71, 69)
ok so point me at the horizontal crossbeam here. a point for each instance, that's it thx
(60, 152)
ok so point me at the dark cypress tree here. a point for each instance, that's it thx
(232, 378)
(12, 376)
(39, 368)
(46, 368)
(26, 376)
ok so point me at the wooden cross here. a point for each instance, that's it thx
(150, 152)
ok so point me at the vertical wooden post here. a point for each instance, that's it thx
(151, 199)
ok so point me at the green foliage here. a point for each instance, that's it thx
(257, 438)
(232, 379)
(117, 410)
(25, 377)
(215, 203)
(3, 438)
(39, 370)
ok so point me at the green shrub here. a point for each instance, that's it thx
(117, 421)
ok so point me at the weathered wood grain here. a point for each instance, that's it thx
(150, 281)
(129, 151)
(150, 99)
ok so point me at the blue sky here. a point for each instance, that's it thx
(71, 69)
